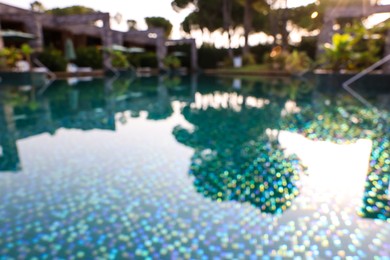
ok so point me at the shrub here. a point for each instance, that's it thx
(227, 62)
(185, 59)
(297, 61)
(248, 59)
(134, 59)
(339, 52)
(148, 59)
(276, 58)
(309, 45)
(119, 60)
(89, 57)
(53, 59)
(209, 57)
(9, 57)
(260, 51)
(353, 50)
(172, 62)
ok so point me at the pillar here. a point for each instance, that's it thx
(1, 39)
(194, 56)
(161, 50)
(326, 33)
(107, 43)
(117, 38)
(194, 86)
(33, 25)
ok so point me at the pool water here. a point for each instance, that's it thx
(193, 168)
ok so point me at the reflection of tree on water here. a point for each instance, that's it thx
(9, 157)
(346, 123)
(376, 195)
(234, 159)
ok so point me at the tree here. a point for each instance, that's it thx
(37, 6)
(159, 22)
(227, 6)
(216, 15)
(248, 17)
(131, 25)
(76, 9)
(234, 14)
(235, 166)
(311, 16)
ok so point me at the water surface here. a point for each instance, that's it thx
(193, 167)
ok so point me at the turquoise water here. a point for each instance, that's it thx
(193, 168)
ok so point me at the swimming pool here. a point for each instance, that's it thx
(193, 168)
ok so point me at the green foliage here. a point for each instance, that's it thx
(260, 51)
(159, 22)
(76, 9)
(131, 25)
(209, 15)
(365, 48)
(134, 59)
(339, 52)
(26, 49)
(119, 60)
(248, 59)
(308, 45)
(297, 61)
(172, 62)
(9, 57)
(227, 62)
(37, 6)
(178, 5)
(148, 59)
(302, 16)
(293, 62)
(53, 59)
(353, 50)
(209, 57)
(89, 57)
(276, 59)
(185, 59)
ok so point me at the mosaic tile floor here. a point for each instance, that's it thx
(179, 187)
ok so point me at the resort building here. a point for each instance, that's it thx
(42, 30)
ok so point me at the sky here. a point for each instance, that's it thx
(129, 9)
(139, 9)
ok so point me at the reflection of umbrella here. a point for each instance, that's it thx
(70, 53)
(16, 35)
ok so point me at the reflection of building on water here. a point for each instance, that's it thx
(233, 158)
(23, 115)
(85, 105)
